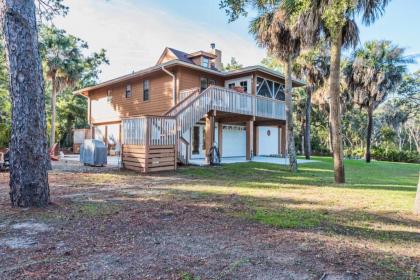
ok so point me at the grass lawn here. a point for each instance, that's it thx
(236, 221)
(374, 206)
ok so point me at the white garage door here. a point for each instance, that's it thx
(234, 141)
(268, 138)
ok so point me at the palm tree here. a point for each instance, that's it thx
(65, 64)
(335, 20)
(313, 66)
(375, 71)
(271, 31)
(62, 64)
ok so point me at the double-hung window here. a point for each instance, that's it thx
(244, 85)
(109, 96)
(128, 92)
(205, 62)
(145, 90)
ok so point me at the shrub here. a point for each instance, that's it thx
(354, 153)
(390, 154)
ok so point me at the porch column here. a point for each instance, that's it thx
(279, 140)
(209, 137)
(249, 139)
(283, 140)
(220, 138)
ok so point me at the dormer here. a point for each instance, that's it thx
(203, 59)
(211, 59)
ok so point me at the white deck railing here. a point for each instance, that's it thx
(168, 130)
(149, 130)
(226, 100)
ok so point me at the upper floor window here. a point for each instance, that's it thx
(263, 88)
(205, 83)
(145, 90)
(231, 85)
(244, 85)
(109, 96)
(270, 89)
(205, 62)
(128, 92)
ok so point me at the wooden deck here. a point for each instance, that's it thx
(155, 143)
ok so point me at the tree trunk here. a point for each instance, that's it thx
(289, 117)
(330, 140)
(302, 136)
(307, 137)
(53, 109)
(334, 88)
(417, 199)
(369, 133)
(28, 144)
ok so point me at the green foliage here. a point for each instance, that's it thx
(232, 65)
(64, 61)
(392, 154)
(72, 112)
(5, 105)
(408, 93)
(374, 71)
(63, 56)
(66, 68)
(273, 63)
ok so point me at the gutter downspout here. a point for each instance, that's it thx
(173, 82)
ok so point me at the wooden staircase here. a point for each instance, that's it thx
(170, 128)
(194, 107)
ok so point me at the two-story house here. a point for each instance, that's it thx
(188, 103)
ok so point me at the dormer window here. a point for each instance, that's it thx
(205, 62)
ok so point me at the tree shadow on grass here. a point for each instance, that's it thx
(271, 175)
(285, 213)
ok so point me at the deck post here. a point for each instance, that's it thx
(147, 145)
(256, 135)
(279, 140)
(220, 138)
(209, 131)
(249, 139)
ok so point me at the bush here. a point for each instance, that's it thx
(357, 153)
(390, 154)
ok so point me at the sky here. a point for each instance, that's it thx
(135, 32)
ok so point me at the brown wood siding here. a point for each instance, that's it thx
(160, 99)
(189, 78)
(167, 57)
(146, 159)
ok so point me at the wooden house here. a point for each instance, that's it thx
(180, 108)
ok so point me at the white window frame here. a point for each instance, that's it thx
(205, 62)
(238, 81)
(128, 89)
(271, 89)
(146, 87)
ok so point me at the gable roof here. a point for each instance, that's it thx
(179, 55)
(202, 53)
